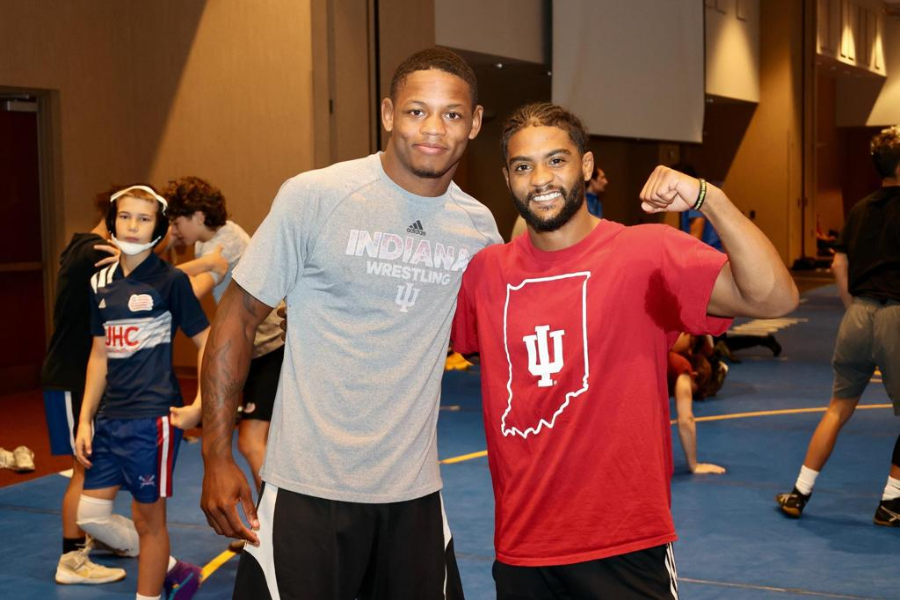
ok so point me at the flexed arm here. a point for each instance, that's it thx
(755, 282)
(226, 361)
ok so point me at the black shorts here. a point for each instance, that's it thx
(316, 549)
(645, 574)
(261, 385)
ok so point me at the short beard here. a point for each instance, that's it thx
(574, 201)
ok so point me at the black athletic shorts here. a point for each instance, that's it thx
(316, 549)
(641, 575)
(261, 385)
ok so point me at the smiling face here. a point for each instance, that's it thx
(431, 120)
(135, 219)
(545, 173)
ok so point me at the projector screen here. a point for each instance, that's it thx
(631, 69)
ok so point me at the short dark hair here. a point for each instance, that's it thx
(435, 58)
(543, 114)
(885, 149)
(187, 195)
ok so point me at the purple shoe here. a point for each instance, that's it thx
(182, 581)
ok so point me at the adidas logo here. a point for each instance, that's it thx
(102, 303)
(416, 228)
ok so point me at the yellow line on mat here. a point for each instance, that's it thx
(762, 413)
(215, 563)
(464, 457)
(788, 411)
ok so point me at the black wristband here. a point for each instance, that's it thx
(701, 196)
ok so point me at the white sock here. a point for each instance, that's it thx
(172, 563)
(139, 597)
(892, 489)
(806, 481)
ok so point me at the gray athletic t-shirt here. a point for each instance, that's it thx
(370, 273)
(234, 240)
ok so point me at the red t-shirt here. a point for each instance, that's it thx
(573, 350)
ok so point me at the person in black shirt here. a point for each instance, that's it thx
(867, 269)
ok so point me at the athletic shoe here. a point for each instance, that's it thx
(888, 513)
(792, 504)
(7, 460)
(76, 567)
(24, 459)
(182, 581)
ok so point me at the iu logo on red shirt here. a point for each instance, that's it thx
(545, 326)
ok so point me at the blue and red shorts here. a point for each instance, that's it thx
(137, 454)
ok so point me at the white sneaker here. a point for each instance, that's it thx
(24, 458)
(7, 460)
(76, 567)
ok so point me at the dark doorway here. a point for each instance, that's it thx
(23, 333)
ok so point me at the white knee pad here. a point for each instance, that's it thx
(96, 518)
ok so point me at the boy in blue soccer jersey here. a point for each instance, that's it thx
(136, 306)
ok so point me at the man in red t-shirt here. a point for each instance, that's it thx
(573, 322)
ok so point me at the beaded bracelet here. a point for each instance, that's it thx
(701, 196)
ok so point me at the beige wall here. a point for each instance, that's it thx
(732, 49)
(756, 149)
(241, 114)
(765, 176)
(150, 91)
(873, 101)
(141, 91)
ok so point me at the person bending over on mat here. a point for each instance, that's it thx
(867, 270)
(369, 254)
(136, 305)
(572, 323)
(689, 375)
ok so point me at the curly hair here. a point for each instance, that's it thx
(543, 114)
(435, 58)
(885, 149)
(187, 195)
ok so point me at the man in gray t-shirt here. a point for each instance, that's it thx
(369, 255)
